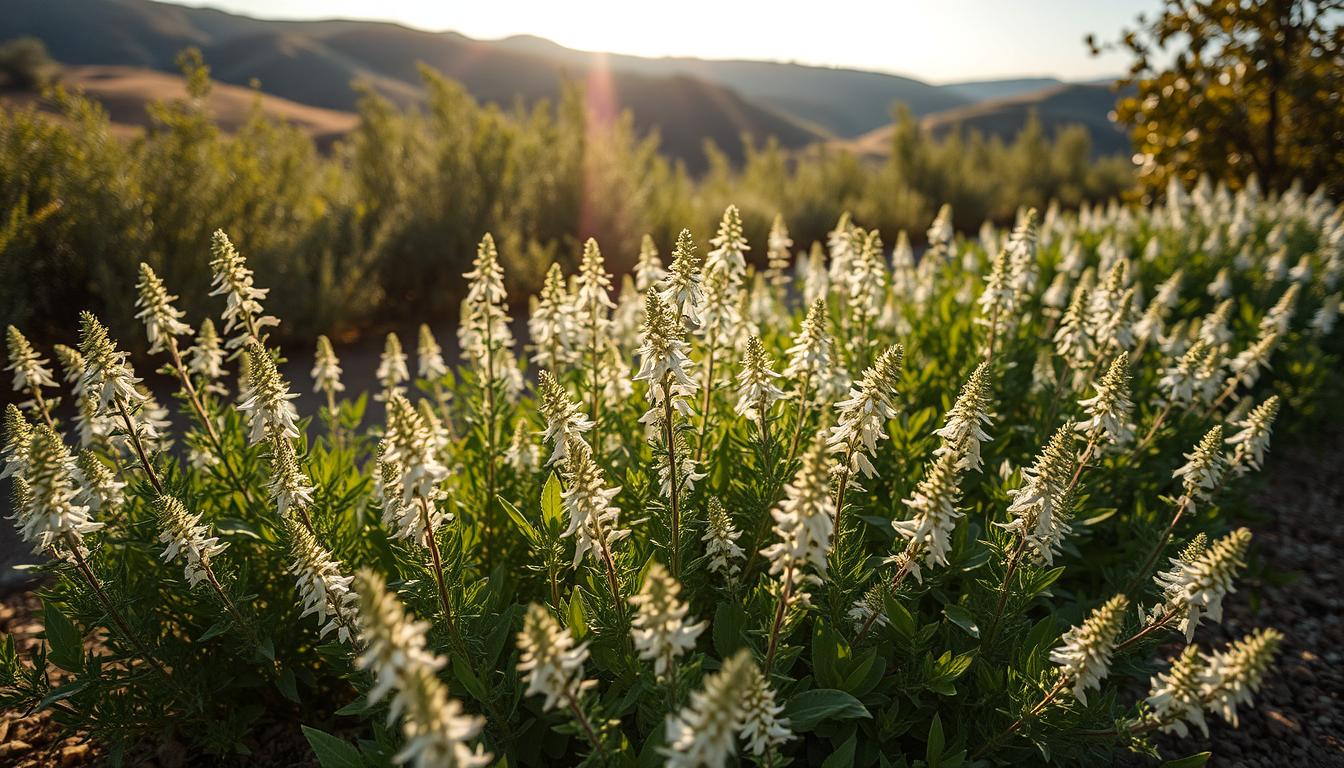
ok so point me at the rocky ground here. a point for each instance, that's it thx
(1299, 715)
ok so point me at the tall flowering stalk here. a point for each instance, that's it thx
(326, 374)
(757, 391)
(660, 629)
(551, 323)
(243, 314)
(553, 666)
(735, 702)
(862, 421)
(485, 338)
(803, 526)
(435, 727)
(664, 361)
(809, 366)
(593, 305)
(564, 419)
(110, 382)
(31, 371)
(963, 431)
(593, 521)
(1195, 585)
(933, 506)
(392, 371)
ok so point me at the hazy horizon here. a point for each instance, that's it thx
(1033, 38)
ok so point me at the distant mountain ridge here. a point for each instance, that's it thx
(687, 101)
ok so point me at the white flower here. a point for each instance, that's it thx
(963, 431)
(484, 333)
(50, 511)
(414, 446)
(1324, 319)
(1108, 411)
(31, 370)
(1040, 508)
(523, 454)
(552, 662)
(99, 488)
(933, 506)
(649, 272)
(1251, 442)
(1233, 675)
(779, 252)
(1204, 468)
(863, 415)
(185, 535)
(163, 321)
(868, 608)
(233, 281)
(762, 727)
(1085, 655)
(682, 289)
(659, 628)
(730, 246)
(756, 389)
(108, 378)
(435, 727)
(1182, 381)
(664, 362)
(593, 521)
(704, 732)
(564, 421)
(1198, 581)
(322, 589)
(1221, 287)
(810, 355)
(267, 406)
(1176, 696)
(206, 358)
(392, 369)
(290, 487)
(429, 356)
(326, 371)
(804, 522)
(551, 323)
(721, 547)
(18, 438)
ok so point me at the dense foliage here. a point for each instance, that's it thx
(853, 508)
(1268, 75)
(381, 227)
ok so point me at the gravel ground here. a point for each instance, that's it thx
(1298, 719)
(1299, 715)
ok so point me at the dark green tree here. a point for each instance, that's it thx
(1234, 89)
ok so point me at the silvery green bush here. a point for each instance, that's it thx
(852, 507)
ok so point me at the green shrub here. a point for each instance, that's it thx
(880, 512)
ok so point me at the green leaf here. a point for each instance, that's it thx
(552, 511)
(933, 750)
(578, 615)
(529, 532)
(1193, 761)
(332, 752)
(288, 686)
(900, 618)
(729, 619)
(962, 618)
(843, 756)
(357, 707)
(215, 630)
(67, 646)
(63, 692)
(809, 709)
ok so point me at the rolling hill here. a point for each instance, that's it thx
(687, 101)
(1055, 106)
(127, 92)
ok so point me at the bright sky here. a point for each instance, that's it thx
(935, 40)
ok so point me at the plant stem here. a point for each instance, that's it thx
(1142, 573)
(134, 436)
(42, 408)
(210, 432)
(111, 609)
(587, 727)
(1010, 730)
(1152, 431)
(669, 435)
(1013, 560)
(709, 389)
(785, 596)
(432, 543)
